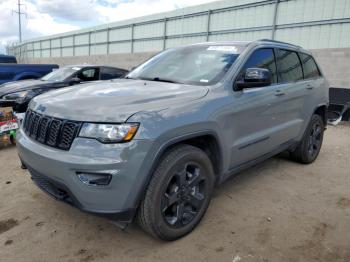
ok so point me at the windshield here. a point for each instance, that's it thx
(195, 65)
(60, 74)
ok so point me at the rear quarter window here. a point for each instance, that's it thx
(309, 66)
(111, 73)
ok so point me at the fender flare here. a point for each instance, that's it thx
(165, 146)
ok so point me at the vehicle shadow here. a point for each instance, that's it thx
(134, 232)
(256, 170)
(98, 238)
(6, 146)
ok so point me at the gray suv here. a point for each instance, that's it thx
(152, 146)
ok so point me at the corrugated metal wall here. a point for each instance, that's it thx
(313, 24)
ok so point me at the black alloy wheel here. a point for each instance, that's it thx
(184, 196)
(178, 194)
(315, 139)
(309, 147)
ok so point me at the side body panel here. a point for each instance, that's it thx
(248, 125)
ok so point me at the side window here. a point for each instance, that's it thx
(261, 58)
(89, 74)
(108, 73)
(309, 66)
(289, 67)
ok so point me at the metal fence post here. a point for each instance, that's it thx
(20, 53)
(61, 49)
(41, 48)
(164, 34)
(50, 47)
(132, 38)
(89, 43)
(73, 45)
(274, 20)
(208, 24)
(107, 47)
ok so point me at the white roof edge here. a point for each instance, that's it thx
(157, 16)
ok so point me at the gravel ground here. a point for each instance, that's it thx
(277, 211)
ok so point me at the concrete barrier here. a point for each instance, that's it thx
(335, 62)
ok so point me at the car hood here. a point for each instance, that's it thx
(24, 85)
(113, 101)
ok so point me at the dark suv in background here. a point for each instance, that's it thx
(154, 145)
(19, 93)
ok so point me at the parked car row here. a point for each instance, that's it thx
(18, 94)
(153, 145)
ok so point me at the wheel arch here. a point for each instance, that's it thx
(321, 110)
(207, 141)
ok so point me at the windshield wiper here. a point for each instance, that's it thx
(158, 79)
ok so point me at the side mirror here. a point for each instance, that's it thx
(255, 77)
(74, 81)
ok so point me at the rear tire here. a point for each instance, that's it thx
(178, 194)
(309, 147)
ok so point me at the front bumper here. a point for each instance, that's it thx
(17, 107)
(55, 172)
(6, 103)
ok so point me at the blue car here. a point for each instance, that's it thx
(13, 72)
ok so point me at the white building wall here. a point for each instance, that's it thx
(313, 24)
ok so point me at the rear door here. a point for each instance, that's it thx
(293, 95)
(314, 83)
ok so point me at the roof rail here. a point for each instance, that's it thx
(279, 42)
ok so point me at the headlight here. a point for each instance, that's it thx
(109, 133)
(14, 96)
(20, 96)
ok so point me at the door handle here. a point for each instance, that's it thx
(309, 87)
(279, 93)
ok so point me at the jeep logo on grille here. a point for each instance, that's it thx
(41, 108)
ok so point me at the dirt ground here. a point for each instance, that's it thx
(277, 211)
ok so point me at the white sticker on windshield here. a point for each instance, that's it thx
(204, 80)
(223, 48)
(76, 68)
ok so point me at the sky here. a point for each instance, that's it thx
(47, 17)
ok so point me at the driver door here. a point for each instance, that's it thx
(254, 121)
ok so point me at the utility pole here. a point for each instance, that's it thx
(19, 13)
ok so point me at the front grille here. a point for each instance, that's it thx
(50, 131)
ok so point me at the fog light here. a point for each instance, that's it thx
(94, 179)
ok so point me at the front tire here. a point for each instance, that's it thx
(310, 146)
(178, 194)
